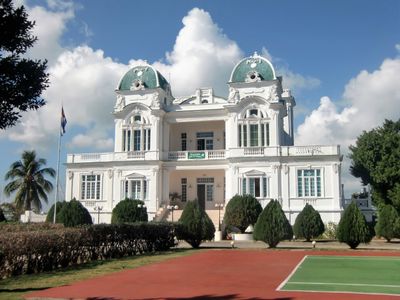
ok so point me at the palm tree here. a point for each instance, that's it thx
(28, 180)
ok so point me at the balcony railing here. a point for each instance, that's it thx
(206, 154)
(190, 155)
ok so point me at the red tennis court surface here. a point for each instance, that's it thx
(213, 274)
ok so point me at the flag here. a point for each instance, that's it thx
(63, 121)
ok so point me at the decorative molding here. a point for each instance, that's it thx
(110, 173)
(234, 96)
(70, 175)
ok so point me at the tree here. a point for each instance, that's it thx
(50, 213)
(353, 229)
(129, 211)
(2, 217)
(73, 213)
(195, 225)
(272, 225)
(387, 225)
(29, 182)
(242, 211)
(22, 80)
(376, 161)
(308, 223)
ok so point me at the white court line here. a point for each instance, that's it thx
(341, 292)
(291, 274)
(355, 257)
(345, 284)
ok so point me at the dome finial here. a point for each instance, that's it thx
(255, 54)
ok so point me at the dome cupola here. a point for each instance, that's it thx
(142, 77)
(252, 69)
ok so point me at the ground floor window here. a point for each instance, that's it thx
(255, 186)
(90, 187)
(183, 189)
(136, 189)
(309, 183)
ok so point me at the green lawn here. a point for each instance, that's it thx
(15, 287)
(358, 274)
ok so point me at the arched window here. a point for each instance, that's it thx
(136, 133)
(253, 129)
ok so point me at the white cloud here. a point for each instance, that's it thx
(371, 98)
(203, 56)
(49, 27)
(91, 140)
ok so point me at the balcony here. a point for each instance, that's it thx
(112, 156)
(191, 155)
(276, 151)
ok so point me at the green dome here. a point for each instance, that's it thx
(253, 68)
(142, 77)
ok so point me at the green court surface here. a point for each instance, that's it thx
(354, 274)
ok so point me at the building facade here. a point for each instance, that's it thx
(206, 148)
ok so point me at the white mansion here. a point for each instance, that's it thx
(206, 148)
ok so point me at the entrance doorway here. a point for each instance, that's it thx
(201, 195)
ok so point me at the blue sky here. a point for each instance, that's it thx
(340, 58)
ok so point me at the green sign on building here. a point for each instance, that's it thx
(196, 155)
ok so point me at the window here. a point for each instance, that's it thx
(205, 140)
(136, 189)
(253, 129)
(90, 187)
(136, 134)
(309, 183)
(183, 189)
(253, 135)
(210, 189)
(183, 141)
(256, 186)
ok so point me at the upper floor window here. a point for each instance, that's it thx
(309, 183)
(90, 187)
(253, 129)
(183, 141)
(136, 134)
(205, 140)
(183, 189)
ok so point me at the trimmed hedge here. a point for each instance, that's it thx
(50, 213)
(34, 251)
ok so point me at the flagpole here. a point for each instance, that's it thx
(57, 177)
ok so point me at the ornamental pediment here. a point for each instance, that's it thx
(135, 175)
(254, 173)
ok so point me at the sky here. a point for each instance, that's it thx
(341, 59)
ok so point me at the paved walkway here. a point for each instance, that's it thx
(213, 274)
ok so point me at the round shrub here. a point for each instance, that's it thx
(242, 211)
(353, 228)
(308, 224)
(272, 225)
(129, 211)
(195, 225)
(50, 214)
(387, 225)
(73, 213)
